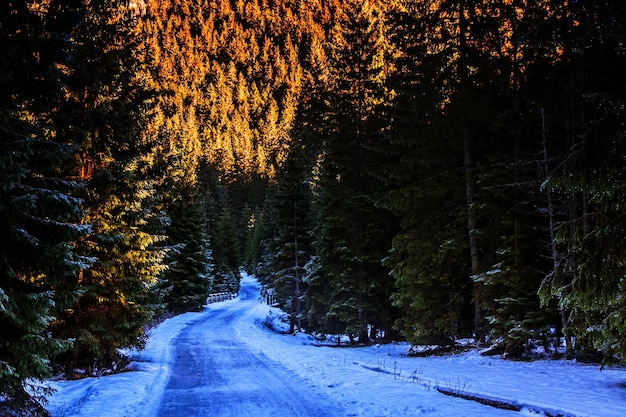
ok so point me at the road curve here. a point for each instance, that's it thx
(215, 374)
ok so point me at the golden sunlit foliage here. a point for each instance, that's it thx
(229, 74)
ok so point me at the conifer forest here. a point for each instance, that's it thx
(419, 170)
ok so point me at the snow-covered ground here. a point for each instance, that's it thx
(369, 381)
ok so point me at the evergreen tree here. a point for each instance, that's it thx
(109, 104)
(225, 242)
(255, 235)
(314, 140)
(506, 146)
(188, 277)
(352, 234)
(466, 165)
(588, 282)
(291, 246)
(227, 79)
(428, 258)
(39, 204)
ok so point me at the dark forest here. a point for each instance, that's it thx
(428, 171)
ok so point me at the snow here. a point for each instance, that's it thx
(379, 380)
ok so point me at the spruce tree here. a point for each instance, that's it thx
(291, 246)
(352, 234)
(511, 230)
(39, 201)
(225, 243)
(588, 282)
(428, 254)
(466, 166)
(108, 104)
(188, 277)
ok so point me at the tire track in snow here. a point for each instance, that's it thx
(215, 373)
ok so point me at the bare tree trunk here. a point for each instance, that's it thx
(552, 223)
(469, 177)
(298, 311)
(473, 238)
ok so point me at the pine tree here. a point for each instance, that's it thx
(109, 104)
(352, 233)
(588, 281)
(39, 204)
(188, 277)
(291, 246)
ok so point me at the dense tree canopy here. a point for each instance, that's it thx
(431, 170)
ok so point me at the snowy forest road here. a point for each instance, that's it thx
(223, 361)
(215, 373)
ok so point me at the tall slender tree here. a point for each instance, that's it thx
(589, 281)
(290, 247)
(428, 254)
(353, 235)
(465, 157)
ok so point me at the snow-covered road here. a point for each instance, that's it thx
(215, 373)
(224, 361)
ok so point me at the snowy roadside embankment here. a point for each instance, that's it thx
(128, 394)
(384, 378)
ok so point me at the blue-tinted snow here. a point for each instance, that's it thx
(370, 381)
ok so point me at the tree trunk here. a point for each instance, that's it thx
(551, 218)
(373, 332)
(298, 311)
(469, 177)
(473, 239)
